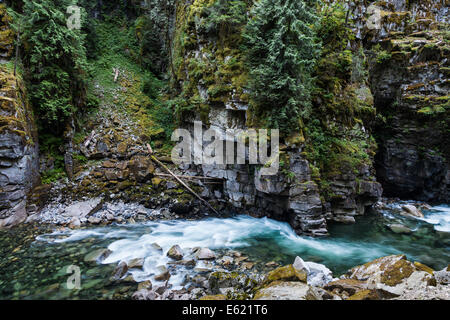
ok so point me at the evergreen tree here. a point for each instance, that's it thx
(281, 50)
(55, 58)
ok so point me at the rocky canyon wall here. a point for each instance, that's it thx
(19, 164)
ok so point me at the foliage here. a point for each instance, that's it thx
(281, 48)
(56, 60)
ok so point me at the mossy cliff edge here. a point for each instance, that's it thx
(19, 160)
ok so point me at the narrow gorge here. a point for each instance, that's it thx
(359, 91)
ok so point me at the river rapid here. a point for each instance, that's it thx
(34, 259)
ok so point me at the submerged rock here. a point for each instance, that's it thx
(97, 255)
(399, 229)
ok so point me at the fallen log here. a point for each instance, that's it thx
(190, 177)
(179, 180)
(116, 71)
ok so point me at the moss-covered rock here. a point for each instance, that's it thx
(286, 273)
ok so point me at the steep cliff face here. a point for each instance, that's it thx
(211, 77)
(18, 141)
(410, 83)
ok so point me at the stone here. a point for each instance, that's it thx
(422, 267)
(136, 263)
(214, 297)
(164, 276)
(365, 295)
(94, 220)
(399, 229)
(226, 261)
(97, 255)
(120, 271)
(156, 246)
(286, 273)
(272, 264)
(223, 279)
(443, 276)
(175, 253)
(144, 294)
(205, 254)
(346, 286)
(283, 291)
(318, 274)
(300, 265)
(411, 211)
(390, 270)
(83, 209)
(147, 285)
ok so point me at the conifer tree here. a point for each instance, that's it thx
(55, 58)
(281, 51)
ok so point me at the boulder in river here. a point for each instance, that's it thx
(97, 255)
(136, 263)
(399, 229)
(411, 211)
(120, 271)
(175, 253)
(205, 254)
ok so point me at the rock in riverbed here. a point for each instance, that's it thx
(175, 253)
(411, 211)
(205, 254)
(399, 229)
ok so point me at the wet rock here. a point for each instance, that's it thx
(97, 255)
(147, 285)
(226, 261)
(411, 211)
(205, 254)
(399, 229)
(175, 253)
(136, 263)
(164, 276)
(120, 271)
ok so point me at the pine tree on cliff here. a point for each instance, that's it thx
(281, 51)
(55, 59)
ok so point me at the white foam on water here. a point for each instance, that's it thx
(136, 241)
(439, 216)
